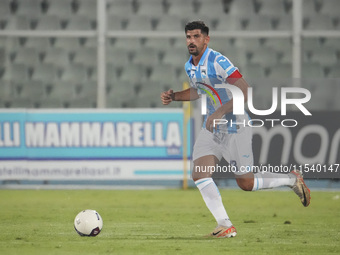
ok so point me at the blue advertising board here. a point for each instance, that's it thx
(92, 134)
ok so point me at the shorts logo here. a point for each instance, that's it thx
(233, 164)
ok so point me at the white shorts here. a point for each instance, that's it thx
(234, 148)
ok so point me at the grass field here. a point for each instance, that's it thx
(167, 222)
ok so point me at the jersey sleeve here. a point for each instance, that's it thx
(186, 68)
(224, 67)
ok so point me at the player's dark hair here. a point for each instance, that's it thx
(197, 25)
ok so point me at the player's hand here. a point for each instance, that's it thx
(167, 97)
(209, 125)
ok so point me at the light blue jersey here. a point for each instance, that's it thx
(214, 68)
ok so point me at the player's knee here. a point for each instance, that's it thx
(197, 176)
(195, 179)
(245, 184)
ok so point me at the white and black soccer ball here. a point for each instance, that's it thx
(88, 223)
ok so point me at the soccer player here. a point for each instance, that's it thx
(206, 68)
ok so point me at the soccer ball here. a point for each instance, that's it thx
(88, 223)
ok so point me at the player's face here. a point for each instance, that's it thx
(196, 41)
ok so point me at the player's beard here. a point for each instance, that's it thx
(195, 53)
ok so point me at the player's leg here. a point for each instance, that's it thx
(206, 156)
(264, 180)
(267, 180)
(243, 156)
(203, 167)
(209, 190)
(212, 196)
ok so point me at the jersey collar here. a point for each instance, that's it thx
(204, 56)
(202, 60)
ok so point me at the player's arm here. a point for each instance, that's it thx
(189, 94)
(241, 84)
(237, 80)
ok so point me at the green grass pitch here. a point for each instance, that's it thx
(167, 222)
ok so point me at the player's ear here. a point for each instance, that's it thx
(207, 39)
